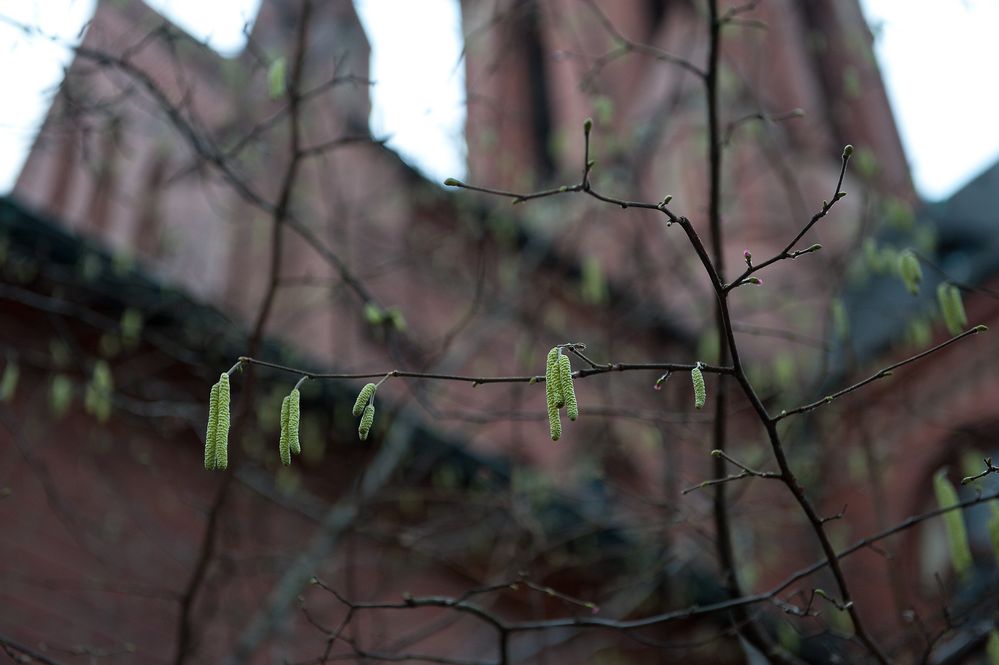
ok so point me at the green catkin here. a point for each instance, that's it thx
(97, 396)
(222, 435)
(8, 384)
(952, 308)
(957, 536)
(362, 398)
(284, 447)
(553, 393)
(213, 428)
(276, 77)
(367, 418)
(568, 391)
(958, 306)
(992, 647)
(910, 271)
(553, 387)
(700, 394)
(993, 527)
(61, 395)
(294, 418)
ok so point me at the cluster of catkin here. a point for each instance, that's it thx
(559, 391)
(948, 295)
(291, 417)
(364, 406)
(217, 438)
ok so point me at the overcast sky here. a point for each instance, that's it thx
(938, 58)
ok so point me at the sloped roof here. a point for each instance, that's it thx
(96, 287)
(966, 227)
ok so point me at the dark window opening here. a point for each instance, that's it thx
(540, 104)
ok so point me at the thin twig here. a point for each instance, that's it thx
(10, 645)
(989, 468)
(478, 380)
(880, 374)
(787, 252)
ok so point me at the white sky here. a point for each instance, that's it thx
(418, 98)
(938, 59)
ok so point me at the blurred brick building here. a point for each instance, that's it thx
(153, 187)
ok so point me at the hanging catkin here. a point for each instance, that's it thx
(362, 398)
(993, 528)
(553, 393)
(367, 418)
(213, 428)
(568, 391)
(222, 434)
(957, 535)
(284, 445)
(294, 418)
(8, 384)
(553, 386)
(910, 270)
(700, 394)
(952, 308)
